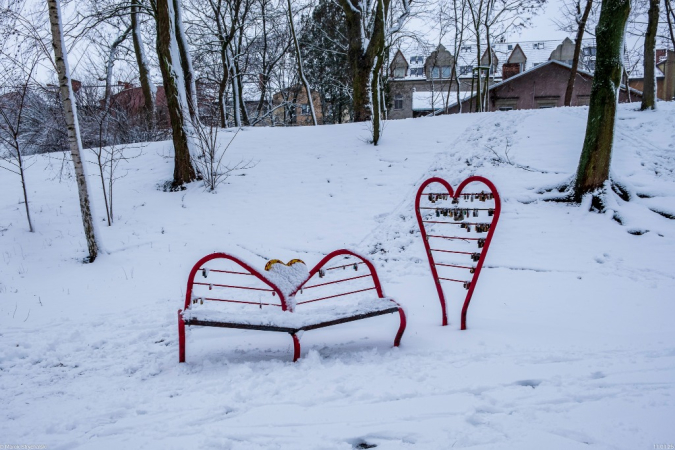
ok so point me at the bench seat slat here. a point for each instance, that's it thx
(302, 318)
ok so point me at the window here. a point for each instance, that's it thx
(506, 108)
(463, 70)
(538, 46)
(510, 46)
(417, 72)
(466, 48)
(398, 102)
(589, 51)
(416, 60)
(445, 72)
(399, 72)
(591, 66)
(436, 72)
(304, 110)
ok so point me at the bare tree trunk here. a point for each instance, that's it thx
(70, 115)
(577, 49)
(649, 89)
(25, 193)
(112, 54)
(147, 86)
(593, 170)
(186, 63)
(174, 87)
(301, 72)
(670, 18)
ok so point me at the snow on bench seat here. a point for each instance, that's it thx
(300, 319)
(223, 291)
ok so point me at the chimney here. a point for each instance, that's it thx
(76, 85)
(660, 55)
(509, 70)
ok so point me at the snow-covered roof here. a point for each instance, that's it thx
(537, 52)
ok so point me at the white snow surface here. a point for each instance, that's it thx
(570, 331)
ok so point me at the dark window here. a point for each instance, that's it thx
(506, 108)
(304, 110)
(436, 72)
(398, 102)
(510, 46)
(463, 70)
(445, 72)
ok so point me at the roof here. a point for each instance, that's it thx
(536, 52)
(528, 72)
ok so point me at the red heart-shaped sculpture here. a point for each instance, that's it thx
(438, 210)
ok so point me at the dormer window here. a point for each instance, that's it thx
(436, 72)
(417, 72)
(538, 46)
(466, 48)
(416, 60)
(510, 46)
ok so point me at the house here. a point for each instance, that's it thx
(541, 87)
(291, 106)
(421, 86)
(665, 75)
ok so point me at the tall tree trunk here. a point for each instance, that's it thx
(301, 71)
(112, 55)
(70, 115)
(147, 86)
(174, 88)
(577, 49)
(595, 159)
(186, 64)
(670, 18)
(649, 88)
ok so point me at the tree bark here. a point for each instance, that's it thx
(174, 88)
(593, 170)
(147, 87)
(301, 72)
(649, 87)
(186, 64)
(70, 115)
(577, 50)
(670, 18)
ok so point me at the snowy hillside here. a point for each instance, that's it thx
(570, 340)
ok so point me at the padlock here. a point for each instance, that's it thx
(356, 267)
(201, 301)
(468, 228)
(467, 284)
(475, 256)
(491, 212)
(438, 214)
(455, 201)
(472, 270)
(322, 273)
(204, 274)
(481, 243)
(431, 198)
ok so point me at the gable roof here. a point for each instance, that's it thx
(517, 55)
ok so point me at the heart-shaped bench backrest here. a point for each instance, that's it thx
(457, 226)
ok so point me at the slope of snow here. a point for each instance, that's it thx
(570, 331)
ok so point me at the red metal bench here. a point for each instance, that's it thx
(223, 291)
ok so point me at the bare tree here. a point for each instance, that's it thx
(301, 71)
(70, 113)
(17, 136)
(649, 88)
(593, 170)
(175, 90)
(580, 18)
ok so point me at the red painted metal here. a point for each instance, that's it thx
(334, 282)
(181, 337)
(197, 267)
(336, 295)
(483, 251)
(283, 304)
(296, 347)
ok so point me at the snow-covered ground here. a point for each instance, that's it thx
(570, 341)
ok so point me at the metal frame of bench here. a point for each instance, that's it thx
(293, 331)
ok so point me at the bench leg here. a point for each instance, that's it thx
(401, 328)
(296, 347)
(181, 337)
